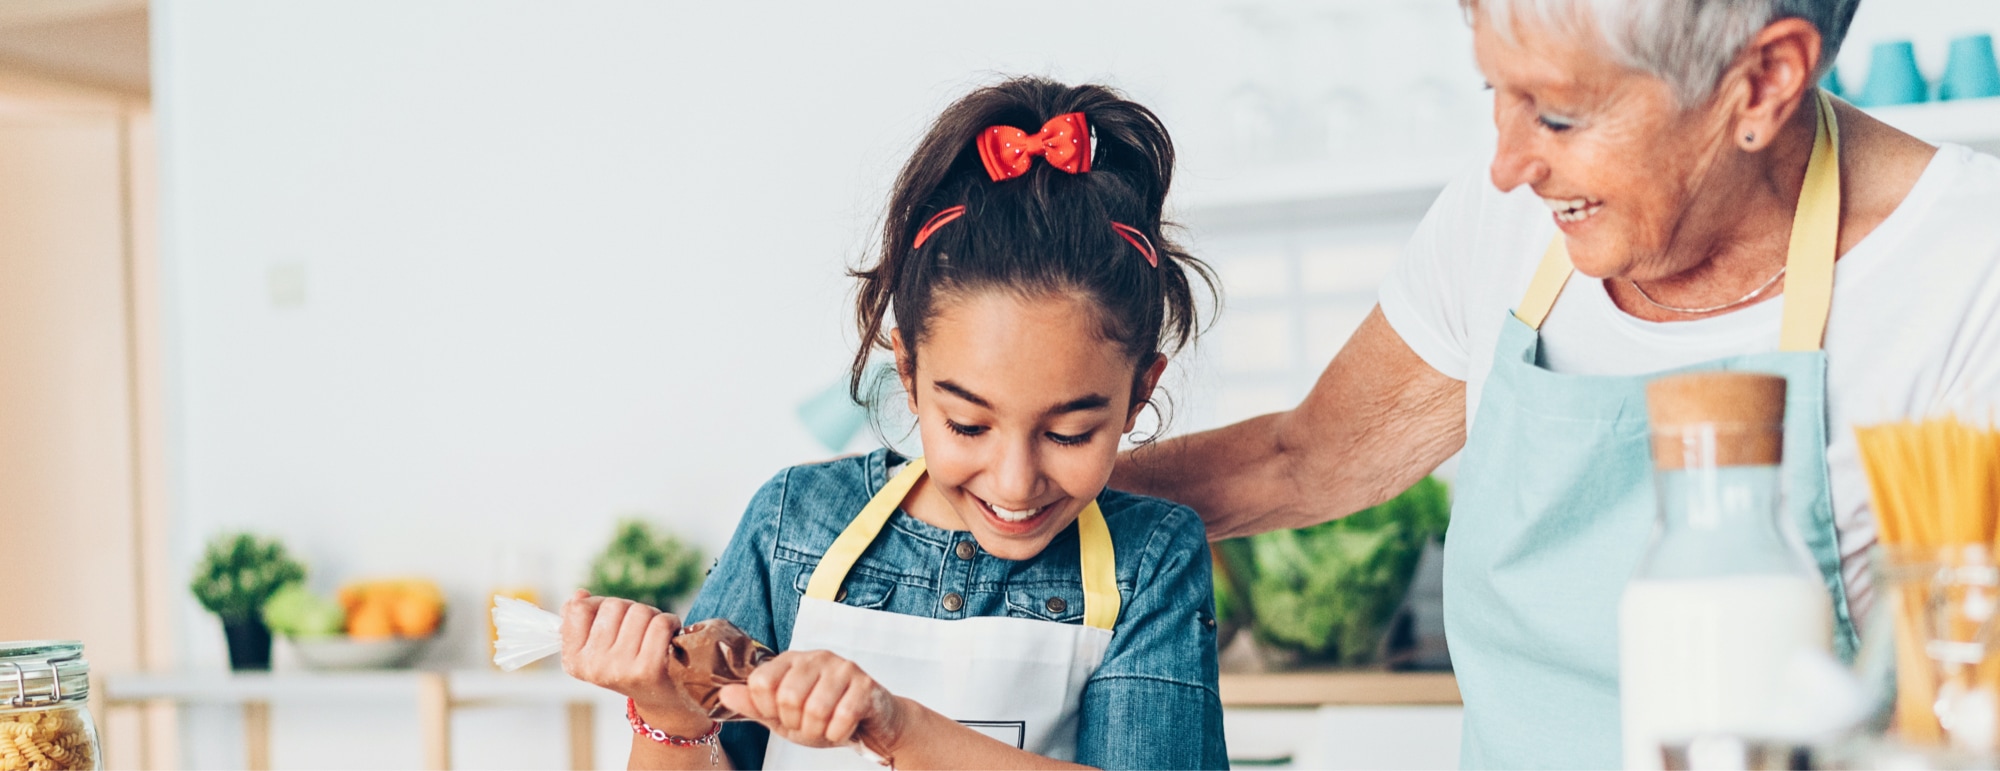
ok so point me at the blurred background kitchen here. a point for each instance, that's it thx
(448, 290)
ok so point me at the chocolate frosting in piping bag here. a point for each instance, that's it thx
(708, 655)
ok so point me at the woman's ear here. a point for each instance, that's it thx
(906, 368)
(1777, 68)
(1142, 389)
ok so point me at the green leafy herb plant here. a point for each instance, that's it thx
(647, 567)
(239, 571)
(1325, 594)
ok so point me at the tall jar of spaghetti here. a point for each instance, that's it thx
(1725, 601)
(45, 724)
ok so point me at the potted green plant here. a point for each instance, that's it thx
(1326, 594)
(643, 566)
(237, 573)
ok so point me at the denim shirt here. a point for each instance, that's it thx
(1151, 704)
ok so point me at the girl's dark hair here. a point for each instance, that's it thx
(1045, 231)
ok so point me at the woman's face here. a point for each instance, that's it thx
(1630, 177)
(1021, 404)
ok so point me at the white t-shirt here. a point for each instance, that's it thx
(1914, 330)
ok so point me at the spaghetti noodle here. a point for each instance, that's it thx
(1936, 489)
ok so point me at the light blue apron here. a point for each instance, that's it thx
(1555, 505)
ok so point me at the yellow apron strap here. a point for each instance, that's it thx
(833, 567)
(1548, 283)
(1100, 569)
(1815, 237)
(1808, 261)
(1100, 565)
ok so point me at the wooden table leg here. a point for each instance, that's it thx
(434, 717)
(582, 736)
(257, 735)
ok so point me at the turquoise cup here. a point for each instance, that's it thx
(1831, 83)
(1970, 72)
(1893, 77)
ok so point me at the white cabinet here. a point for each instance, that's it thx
(1345, 736)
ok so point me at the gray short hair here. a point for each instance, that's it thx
(1687, 43)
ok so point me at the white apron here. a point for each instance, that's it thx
(1017, 680)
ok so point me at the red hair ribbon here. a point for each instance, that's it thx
(1138, 241)
(1064, 142)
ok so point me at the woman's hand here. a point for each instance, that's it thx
(818, 699)
(623, 645)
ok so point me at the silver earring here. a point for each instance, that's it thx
(1750, 137)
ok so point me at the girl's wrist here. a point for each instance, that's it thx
(891, 732)
(675, 718)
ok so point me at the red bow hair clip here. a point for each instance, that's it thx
(1064, 142)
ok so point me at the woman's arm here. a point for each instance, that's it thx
(1377, 421)
(818, 699)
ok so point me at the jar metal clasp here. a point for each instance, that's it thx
(21, 698)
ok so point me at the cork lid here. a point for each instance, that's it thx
(1717, 419)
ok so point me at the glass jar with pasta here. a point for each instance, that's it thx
(45, 724)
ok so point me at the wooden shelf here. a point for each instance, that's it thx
(1339, 687)
(1403, 186)
(436, 695)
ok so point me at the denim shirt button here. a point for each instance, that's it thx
(952, 602)
(965, 550)
(1056, 605)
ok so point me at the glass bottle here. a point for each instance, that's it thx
(1725, 599)
(44, 719)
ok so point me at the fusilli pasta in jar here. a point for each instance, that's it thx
(45, 724)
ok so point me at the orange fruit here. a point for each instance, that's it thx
(416, 615)
(351, 596)
(371, 621)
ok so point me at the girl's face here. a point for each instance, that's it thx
(1021, 404)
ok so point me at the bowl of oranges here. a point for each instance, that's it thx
(377, 624)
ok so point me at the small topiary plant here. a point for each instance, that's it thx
(647, 567)
(239, 572)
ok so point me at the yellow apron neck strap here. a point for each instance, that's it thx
(1815, 238)
(1808, 261)
(1547, 285)
(1100, 566)
(1100, 569)
(861, 532)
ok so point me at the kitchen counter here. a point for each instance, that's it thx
(1314, 688)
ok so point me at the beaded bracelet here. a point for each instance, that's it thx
(708, 739)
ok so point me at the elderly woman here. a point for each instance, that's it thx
(1669, 191)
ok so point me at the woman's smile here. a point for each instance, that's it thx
(1569, 211)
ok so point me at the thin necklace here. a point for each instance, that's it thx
(1754, 294)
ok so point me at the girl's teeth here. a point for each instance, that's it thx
(1011, 515)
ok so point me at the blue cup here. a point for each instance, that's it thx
(1970, 72)
(1831, 83)
(1893, 77)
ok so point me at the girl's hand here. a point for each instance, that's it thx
(818, 699)
(623, 645)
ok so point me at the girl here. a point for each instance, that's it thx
(991, 604)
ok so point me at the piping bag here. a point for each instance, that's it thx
(704, 657)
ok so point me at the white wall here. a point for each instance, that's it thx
(448, 279)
